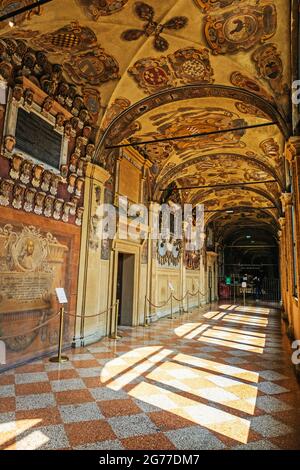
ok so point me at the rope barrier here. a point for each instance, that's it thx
(159, 306)
(30, 331)
(194, 294)
(92, 316)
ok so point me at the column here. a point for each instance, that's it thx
(90, 290)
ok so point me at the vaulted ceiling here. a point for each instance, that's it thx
(164, 69)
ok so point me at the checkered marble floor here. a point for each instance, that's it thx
(211, 379)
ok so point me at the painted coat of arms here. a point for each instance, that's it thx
(240, 29)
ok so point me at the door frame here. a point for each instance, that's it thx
(130, 248)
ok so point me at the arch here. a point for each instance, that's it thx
(113, 134)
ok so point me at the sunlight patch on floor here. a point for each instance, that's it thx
(11, 429)
(182, 330)
(198, 413)
(204, 384)
(133, 372)
(218, 367)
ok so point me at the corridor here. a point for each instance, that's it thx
(211, 379)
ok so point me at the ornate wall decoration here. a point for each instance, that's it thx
(269, 66)
(93, 67)
(242, 81)
(211, 5)
(192, 260)
(153, 28)
(240, 29)
(250, 110)
(7, 6)
(94, 9)
(169, 252)
(114, 109)
(92, 102)
(192, 65)
(271, 148)
(30, 263)
(152, 74)
(70, 38)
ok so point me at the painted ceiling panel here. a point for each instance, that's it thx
(164, 69)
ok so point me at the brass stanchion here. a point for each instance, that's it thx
(198, 301)
(114, 335)
(171, 317)
(187, 302)
(146, 323)
(59, 358)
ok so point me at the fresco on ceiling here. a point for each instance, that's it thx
(151, 27)
(70, 38)
(269, 66)
(185, 66)
(192, 120)
(246, 83)
(270, 148)
(114, 109)
(246, 108)
(94, 9)
(214, 169)
(211, 5)
(152, 74)
(240, 29)
(156, 153)
(8, 6)
(191, 65)
(94, 67)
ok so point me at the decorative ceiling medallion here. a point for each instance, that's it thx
(240, 29)
(188, 65)
(269, 66)
(152, 74)
(242, 81)
(93, 67)
(211, 5)
(153, 28)
(94, 9)
(70, 38)
(245, 108)
(192, 65)
(8, 6)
